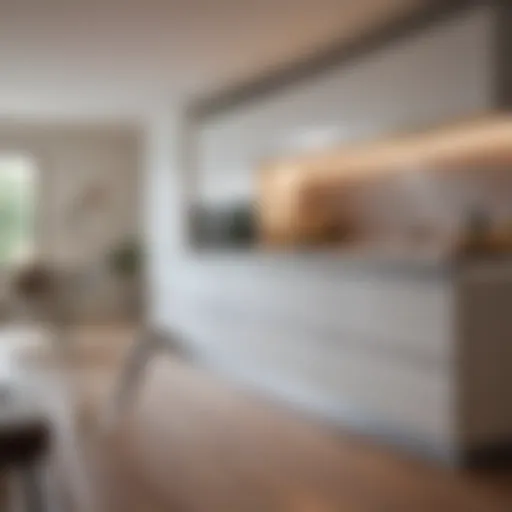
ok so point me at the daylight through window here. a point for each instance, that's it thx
(17, 208)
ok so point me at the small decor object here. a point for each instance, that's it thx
(479, 235)
(93, 199)
(224, 226)
(240, 225)
(34, 281)
(126, 260)
(479, 224)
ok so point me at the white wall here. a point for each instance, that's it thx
(70, 160)
(437, 76)
(165, 200)
(294, 323)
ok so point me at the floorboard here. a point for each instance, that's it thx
(192, 443)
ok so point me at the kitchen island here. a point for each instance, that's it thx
(413, 350)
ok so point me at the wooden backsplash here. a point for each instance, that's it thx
(395, 187)
(433, 203)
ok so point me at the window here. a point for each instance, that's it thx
(17, 208)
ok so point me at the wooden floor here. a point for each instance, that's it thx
(192, 443)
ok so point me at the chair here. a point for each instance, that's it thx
(25, 435)
(42, 294)
(25, 430)
(146, 344)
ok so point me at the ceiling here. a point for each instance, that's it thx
(114, 59)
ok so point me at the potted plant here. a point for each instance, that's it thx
(125, 263)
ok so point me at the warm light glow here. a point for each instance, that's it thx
(289, 212)
(470, 142)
